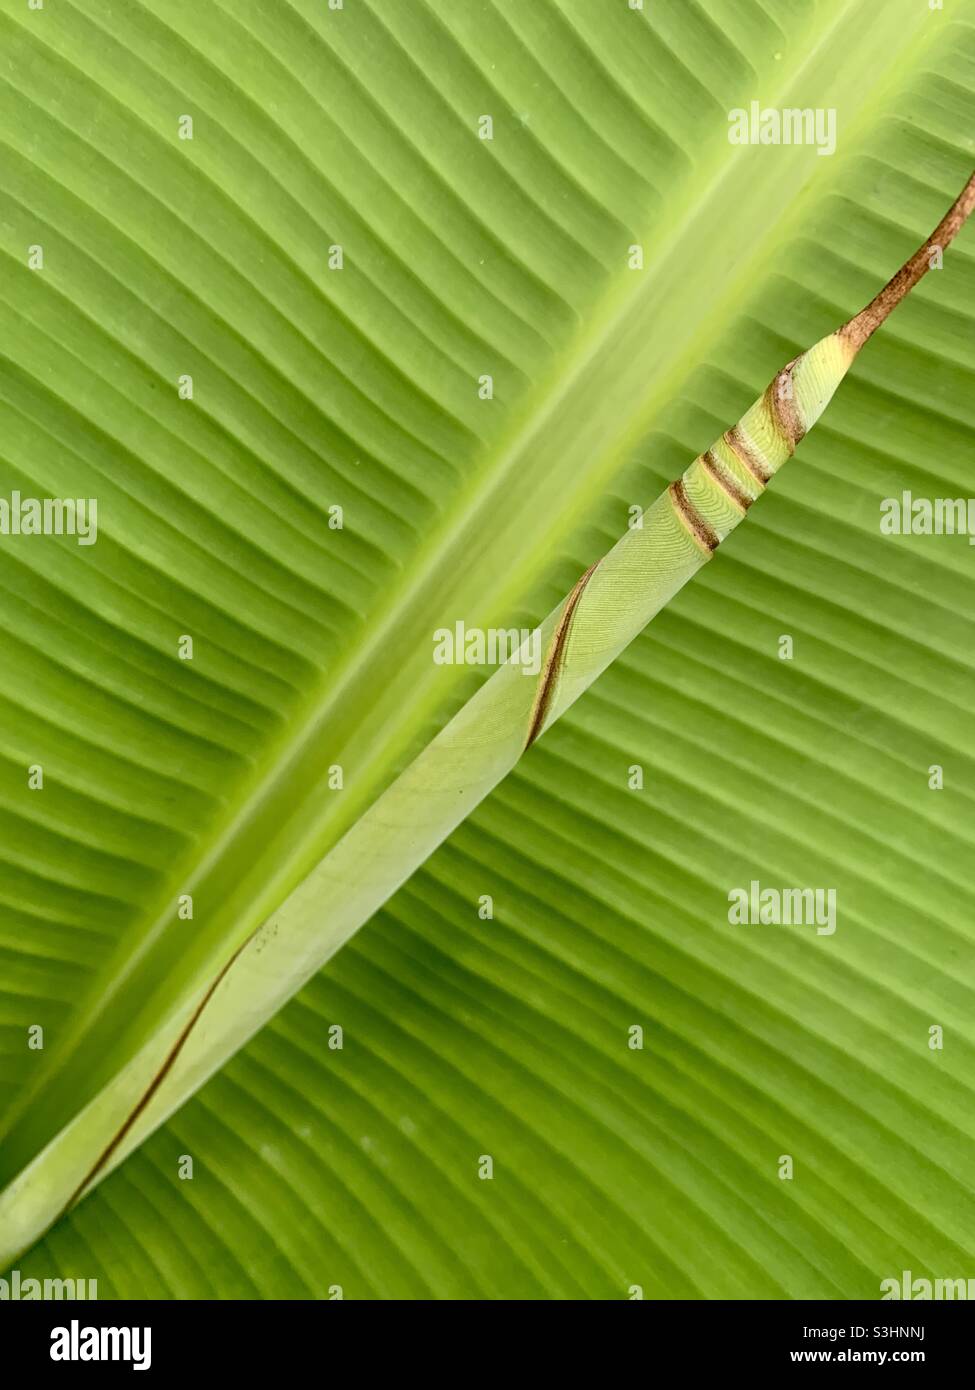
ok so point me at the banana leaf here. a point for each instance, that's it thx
(342, 373)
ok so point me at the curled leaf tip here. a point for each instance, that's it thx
(868, 320)
(684, 528)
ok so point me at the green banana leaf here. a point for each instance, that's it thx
(337, 261)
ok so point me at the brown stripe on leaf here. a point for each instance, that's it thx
(702, 533)
(725, 480)
(747, 455)
(780, 398)
(554, 658)
(163, 1071)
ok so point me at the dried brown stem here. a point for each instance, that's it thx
(859, 328)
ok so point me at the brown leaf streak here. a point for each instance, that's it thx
(716, 470)
(781, 403)
(157, 1080)
(554, 658)
(747, 455)
(702, 534)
